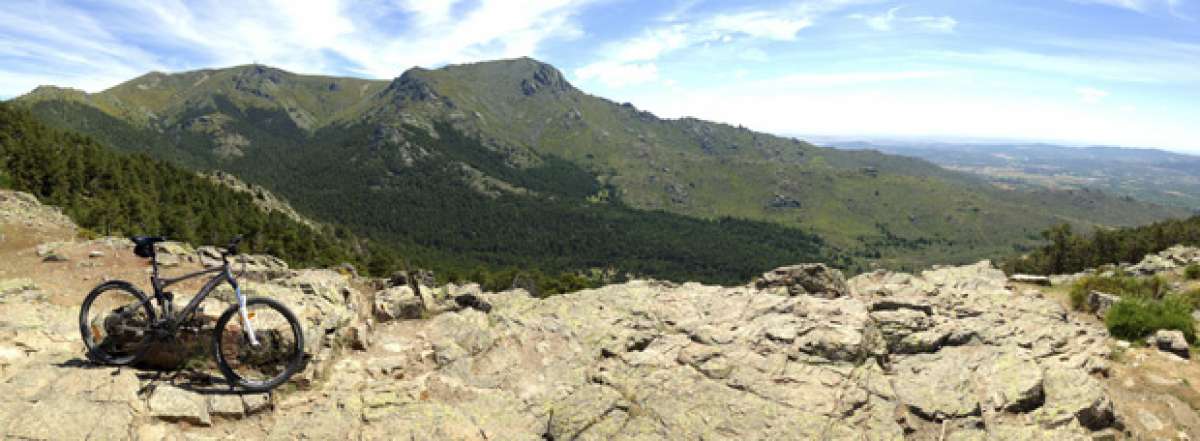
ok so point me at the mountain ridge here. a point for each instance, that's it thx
(524, 114)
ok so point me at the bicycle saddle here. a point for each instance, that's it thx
(143, 246)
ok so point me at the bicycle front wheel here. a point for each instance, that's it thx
(278, 355)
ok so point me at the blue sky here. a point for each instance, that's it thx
(1115, 72)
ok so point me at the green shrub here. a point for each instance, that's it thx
(1120, 285)
(86, 234)
(1192, 272)
(1192, 297)
(1135, 318)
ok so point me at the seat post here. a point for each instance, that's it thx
(154, 271)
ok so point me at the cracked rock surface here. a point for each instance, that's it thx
(900, 356)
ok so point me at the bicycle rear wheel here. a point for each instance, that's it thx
(114, 321)
(280, 350)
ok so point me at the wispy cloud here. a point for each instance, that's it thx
(850, 78)
(1154, 66)
(614, 74)
(889, 20)
(95, 45)
(1133, 5)
(631, 61)
(1144, 6)
(1091, 95)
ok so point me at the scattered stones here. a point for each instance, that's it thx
(51, 252)
(12, 286)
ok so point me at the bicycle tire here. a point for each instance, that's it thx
(294, 362)
(89, 331)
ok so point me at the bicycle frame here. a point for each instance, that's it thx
(225, 275)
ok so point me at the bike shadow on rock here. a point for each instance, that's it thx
(184, 378)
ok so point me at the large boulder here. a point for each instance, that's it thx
(1099, 302)
(1153, 264)
(398, 303)
(814, 279)
(1171, 340)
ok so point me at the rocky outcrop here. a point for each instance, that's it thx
(814, 279)
(799, 353)
(19, 208)
(892, 356)
(651, 360)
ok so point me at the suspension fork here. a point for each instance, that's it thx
(241, 299)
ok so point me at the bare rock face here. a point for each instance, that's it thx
(952, 353)
(814, 279)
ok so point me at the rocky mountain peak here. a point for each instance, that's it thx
(412, 85)
(544, 77)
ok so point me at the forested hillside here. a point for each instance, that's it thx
(119, 193)
(1069, 251)
(428, 210)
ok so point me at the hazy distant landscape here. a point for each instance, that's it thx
(1151, 175)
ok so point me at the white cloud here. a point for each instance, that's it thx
(629, 60)
(888, 21)
(1144, 6)
(1155, 65)
(1091, 95)
(618, 74)
(99, 44)
(851, 78)
(1133, 5)
(760, 24)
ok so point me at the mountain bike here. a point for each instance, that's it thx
(258, 351)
